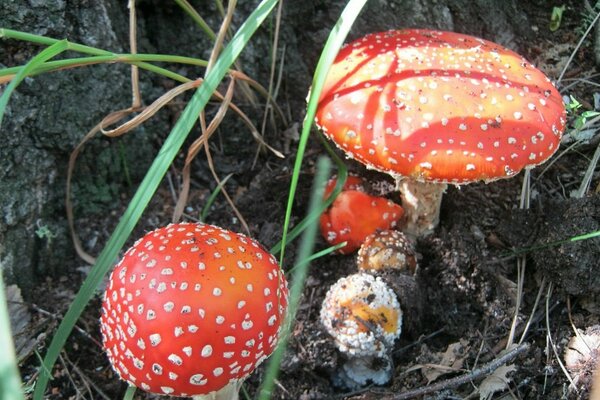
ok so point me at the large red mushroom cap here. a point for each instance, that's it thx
(192, 309)
(440, 107)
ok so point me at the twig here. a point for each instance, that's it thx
(421, 340)
(87, 381)
(551, 341)
(587, 31)
(462, 379)
(58, 317)
(70, 378)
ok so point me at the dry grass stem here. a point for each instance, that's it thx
(551, 341)
(136, 98)
(195, 147)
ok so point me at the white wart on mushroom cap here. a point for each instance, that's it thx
(440, 107)
(363, 315)
(192, 308)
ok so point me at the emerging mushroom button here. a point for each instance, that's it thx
(439, 107)
(363, 315)
(192, 309)
(387, 250)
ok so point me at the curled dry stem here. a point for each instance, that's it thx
(147, 112)
(195, 148)
(144, 114)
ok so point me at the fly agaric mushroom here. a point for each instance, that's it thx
(432, 108)
(354, 215)
(387, 250)
(364, 317)
(391, 256)
(192, 310)
(353, 182)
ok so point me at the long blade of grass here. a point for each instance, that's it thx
(577, 238)
(12, 34)
(191, 11)
(40, 58)
(147, 188)
(342, 175)
(334, 42)
(299, 276)
(30, 37)
(129, 393)
(211, 199)
(10, 382)
(133, 59)
(319, 254)
(144, 61)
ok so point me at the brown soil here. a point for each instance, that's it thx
(468, 280)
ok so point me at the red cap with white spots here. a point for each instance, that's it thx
(354, 215)
(192, 309)
(440, 107)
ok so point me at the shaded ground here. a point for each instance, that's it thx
(468, 276)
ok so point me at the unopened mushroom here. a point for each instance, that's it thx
(354, 215)
(363, 316)
(432, 108)
(387, 250)
(391, 256)
(192, 310)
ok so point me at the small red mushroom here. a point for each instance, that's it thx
(353, 182)
(354, 215)
(192, 310)
(432, 108)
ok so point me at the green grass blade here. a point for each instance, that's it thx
(10, 382)
(12, 34)
(147, 188)
(332, 46)
(299, 276)
(342, 175)
(197, 18)
(586, 236)
(52, 66)
(319, 254)
(40, 58)
(212, 197)
(135, 59)
(32, 38)
(129, 393)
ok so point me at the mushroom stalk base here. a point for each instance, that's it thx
(421, 202)
(229, 392)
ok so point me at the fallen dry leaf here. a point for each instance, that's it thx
(496, 382)
(450, 361)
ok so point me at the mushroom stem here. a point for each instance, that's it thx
(421, 202)
(230, 391)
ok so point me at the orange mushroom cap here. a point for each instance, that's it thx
(192, 308)
(354, 215)
(353, 182)
(440, 107)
